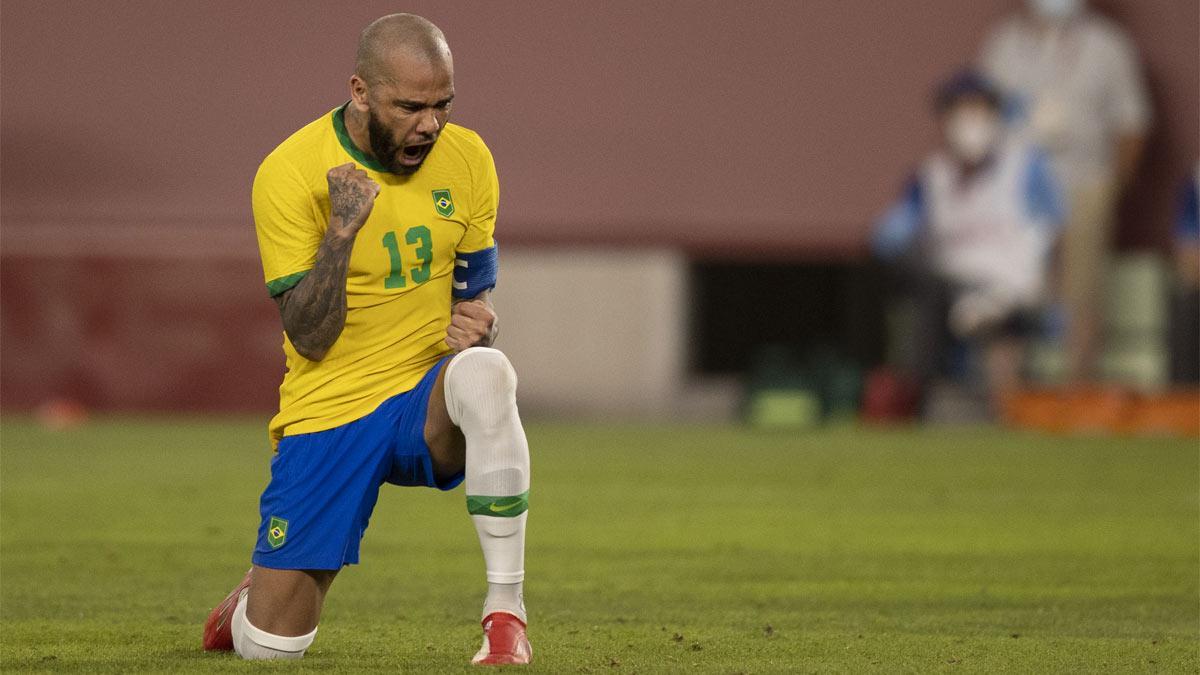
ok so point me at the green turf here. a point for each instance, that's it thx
(651, 549)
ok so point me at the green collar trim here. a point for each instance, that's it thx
(339, 128)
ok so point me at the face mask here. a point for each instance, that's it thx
(1056, 10)
(971, 135)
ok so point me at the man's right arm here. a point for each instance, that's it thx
(314, 310)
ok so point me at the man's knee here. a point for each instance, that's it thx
(481, 384)
(286, 602)
(253, 643)
(479, 364)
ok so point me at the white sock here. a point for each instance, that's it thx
(481, 397)
(505, 598)
(251, 642)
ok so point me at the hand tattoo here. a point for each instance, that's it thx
(346, 200)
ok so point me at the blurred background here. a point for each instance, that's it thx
(690, 191)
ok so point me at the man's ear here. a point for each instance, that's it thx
(358, 93)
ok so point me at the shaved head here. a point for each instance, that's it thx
(399, 37)
(401, 91)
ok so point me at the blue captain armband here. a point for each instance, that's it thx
(474, 273)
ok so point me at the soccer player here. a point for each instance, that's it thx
(375, 228)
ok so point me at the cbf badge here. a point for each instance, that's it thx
(443, 202)
(277, 532)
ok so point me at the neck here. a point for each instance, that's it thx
(356, 126)
(969, 169)
(1057, 24)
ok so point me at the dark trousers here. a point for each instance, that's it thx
(1185, 336)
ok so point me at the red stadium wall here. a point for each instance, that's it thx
(717, 124)
(130, 132)
(138, 333)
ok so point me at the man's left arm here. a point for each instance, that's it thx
(1128, 108)
(472, 316)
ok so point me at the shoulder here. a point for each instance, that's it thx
(1013, 25)
(1107, 35)
(935, 166)
(1019, 148)
(1008, 31)
(303, 148)
(1101, 27)
(1025, 158)
(465, 145)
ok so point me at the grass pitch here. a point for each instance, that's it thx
(651, 549)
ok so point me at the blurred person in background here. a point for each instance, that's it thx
(1185, 333)
(1074, 81)
(972, 236)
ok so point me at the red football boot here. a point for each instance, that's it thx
(504, 641)
(218, 631)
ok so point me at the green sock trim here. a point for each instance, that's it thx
(500, 507)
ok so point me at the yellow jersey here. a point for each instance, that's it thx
(401, 272)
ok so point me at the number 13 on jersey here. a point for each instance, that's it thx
(418, 236)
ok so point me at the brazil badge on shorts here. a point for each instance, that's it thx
(443, 202)
(277, 532)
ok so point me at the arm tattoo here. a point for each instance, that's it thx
(314, 311)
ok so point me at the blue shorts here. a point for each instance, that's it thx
(324, 485)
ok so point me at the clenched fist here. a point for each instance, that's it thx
(472, 324)
(351, 196)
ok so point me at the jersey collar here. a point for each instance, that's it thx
(339, 128)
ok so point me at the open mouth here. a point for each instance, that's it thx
(413, 155)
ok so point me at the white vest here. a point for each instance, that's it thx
(981, 234)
